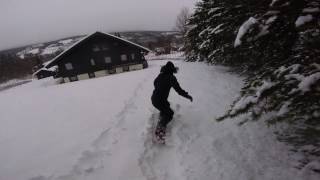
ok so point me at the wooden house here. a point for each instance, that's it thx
(98, 54)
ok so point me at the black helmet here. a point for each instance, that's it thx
(169, 68)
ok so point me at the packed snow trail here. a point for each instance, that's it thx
(101, 129)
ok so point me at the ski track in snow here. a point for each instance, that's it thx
(184, 156)
(92, 160)
(197, 147)
(153, 160)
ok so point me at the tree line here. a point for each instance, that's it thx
(12, 67)
(275, 44)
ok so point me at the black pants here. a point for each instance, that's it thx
(166, 113)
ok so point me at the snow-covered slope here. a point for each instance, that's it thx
(173, 56)
(100, 129)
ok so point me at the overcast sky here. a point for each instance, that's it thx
(31, 21)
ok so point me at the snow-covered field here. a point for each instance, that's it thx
(172, 56)
(12, 83)
(100, 129)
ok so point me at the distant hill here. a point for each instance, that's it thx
(48, 50)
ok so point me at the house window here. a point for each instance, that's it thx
(112, 71)
(105, 47)
(95, 48)
(73, 78)
(132, 56)
(93, 63)
(91, 75)
(125, 68)
(124, 57)
(107, 59)
(68, 66)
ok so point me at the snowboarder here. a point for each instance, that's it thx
(162, 85)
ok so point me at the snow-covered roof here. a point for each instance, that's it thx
(43, 69)
(46, 63)
(87, 37)
(135, 44)
(53, 68)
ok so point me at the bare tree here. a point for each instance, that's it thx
(181, 22)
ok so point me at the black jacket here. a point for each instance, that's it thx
(162, 86)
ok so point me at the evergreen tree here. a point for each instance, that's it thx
(276, 44)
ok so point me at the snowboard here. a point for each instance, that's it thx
(159, 135)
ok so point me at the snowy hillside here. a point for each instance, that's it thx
(53, 48)
(172, 56)
(100, 129)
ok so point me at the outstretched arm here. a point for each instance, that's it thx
(179, 90)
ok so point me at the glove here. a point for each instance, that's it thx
(190, 98)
